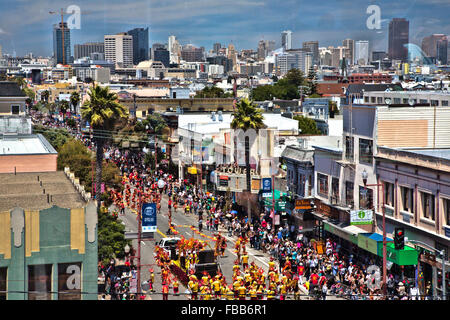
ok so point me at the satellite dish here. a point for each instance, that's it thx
(411, 102)
(388, 101)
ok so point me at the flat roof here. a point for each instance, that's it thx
(25, 145)
(436, 153)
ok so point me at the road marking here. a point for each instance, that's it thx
(162, 234)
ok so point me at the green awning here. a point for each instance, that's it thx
(406, 257)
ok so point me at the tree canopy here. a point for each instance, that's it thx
(307, 125)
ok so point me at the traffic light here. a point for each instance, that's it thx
(399, 238)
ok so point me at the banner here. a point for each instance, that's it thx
(149, 217)
(361, 217)
(267, 184)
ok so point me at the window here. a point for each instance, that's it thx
(389, 194)
(366, 99)
(397, 100)
(349, 193)
(15, 109)
(334, 190)
(427, 201)
(3, 277)
(69, 281)
(444, 103)
(446, 208)
(365, 151)
(323, 185)
(40, 282)
(380, 100)
(407, 199)
(434, 103)
(405, 100)
(423, 101)
(365, 198)
(349, 145)
(372, 99)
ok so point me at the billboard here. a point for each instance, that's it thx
(361, 217)
(149, 217)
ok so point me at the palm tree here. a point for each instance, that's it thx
(102, 111)
(45, 95)
(74, 100)
(245, 117)
(63, 107)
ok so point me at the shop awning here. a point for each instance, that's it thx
(406, 257)
(371, 242)
(349, 233)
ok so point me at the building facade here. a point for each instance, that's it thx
(61, 43)
(398, 38)
(140, 44)
(119, 49)
(86, 49)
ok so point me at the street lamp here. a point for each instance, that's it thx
(364, 176)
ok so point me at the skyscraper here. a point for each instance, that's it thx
(435, 46)
(398, 39)
(61, 43)
(361, 52)
(286, 39)
(85, 50)
(140, 44)
(350, 45)
(313, 47)
(174, 48)
(216, 47)
(119, 49)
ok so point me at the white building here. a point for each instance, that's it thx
(286, 39)
(119, 49)
(361, 52)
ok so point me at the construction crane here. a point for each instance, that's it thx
(62, 13)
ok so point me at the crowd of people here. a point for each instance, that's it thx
(299, 261)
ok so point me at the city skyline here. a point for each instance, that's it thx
(243, 23)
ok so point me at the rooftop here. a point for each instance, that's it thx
(25, 145)
(10, 89)
(36, 191)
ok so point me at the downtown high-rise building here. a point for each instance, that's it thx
(286, 39)
(313, 47)
(190, 53)
(61, 43)
(216, 47)
(174, 48)
(361, 52)
(398, 39)
(350, 45)
(119, 49)
(435, 47)
(161, 54)
(265, 47)
(140, 44)
(86, 49)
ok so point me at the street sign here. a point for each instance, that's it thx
(149, 217)
(280, 205)
(267, 194)
(267, 184)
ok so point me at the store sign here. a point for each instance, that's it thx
(280, 205)
(267, 194)
(360, 217)
(304, 204)
(149, 217)
(267, 184)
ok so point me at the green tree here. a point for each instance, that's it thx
(63, 106)
(111, 238)
(294, 77)
(245, 117)
(45, 95)
(156, 123)
(102, 111)
(312, 82)
(74, 100)
(56, 137)
(213, 92)
(307, 125)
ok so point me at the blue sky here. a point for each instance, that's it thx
(26, 25)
